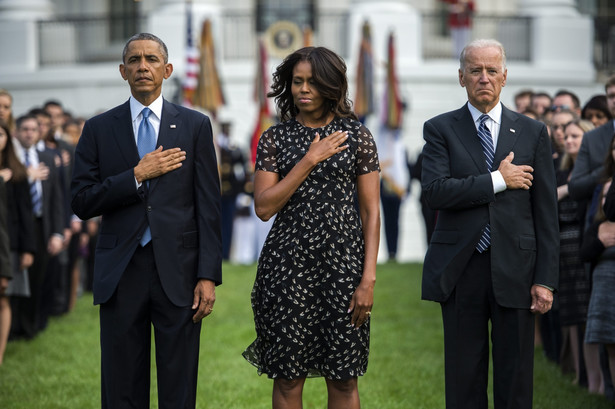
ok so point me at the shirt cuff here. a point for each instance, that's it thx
(499, 185)
(547, 287)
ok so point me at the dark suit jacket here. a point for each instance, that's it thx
(524, 225)
(5, 254)
(20, 218)
(182, 206)
(589, 166)
(54, 219)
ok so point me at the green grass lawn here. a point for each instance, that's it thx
(60, 368)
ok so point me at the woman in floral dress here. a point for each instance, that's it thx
(317, 172)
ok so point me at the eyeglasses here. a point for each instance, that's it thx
(559, 108)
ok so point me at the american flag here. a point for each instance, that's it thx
(192, 61)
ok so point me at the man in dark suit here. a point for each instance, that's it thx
(158, 255)
(589, 166)
(494, 252)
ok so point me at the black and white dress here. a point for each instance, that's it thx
(312, 260)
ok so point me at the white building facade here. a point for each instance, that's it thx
(70, 50)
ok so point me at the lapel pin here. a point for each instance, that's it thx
(511, 130)
(173, 126)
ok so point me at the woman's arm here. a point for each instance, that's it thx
(368, 188)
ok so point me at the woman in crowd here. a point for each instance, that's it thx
(20, 227)
(314, 286)
(574, 284)
(6, 109)
(599, 249)
(597, 111)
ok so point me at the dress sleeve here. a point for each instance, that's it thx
(367, 154)
(266, 153)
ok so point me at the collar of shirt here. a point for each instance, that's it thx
(135, 112)
(494, 124)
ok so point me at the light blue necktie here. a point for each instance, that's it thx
(146, 142)
(484, 134)
(37, 202)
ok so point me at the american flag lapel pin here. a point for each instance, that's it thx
(173, 126)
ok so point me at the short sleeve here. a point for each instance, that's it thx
(266, 153)
(367, 154)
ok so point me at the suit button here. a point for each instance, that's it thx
(149, 208)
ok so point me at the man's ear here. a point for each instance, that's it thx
(168, 70)
(461, 82)
(123, 72)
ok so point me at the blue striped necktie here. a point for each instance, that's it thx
(146, 142)
(486, 141)
(37, 202)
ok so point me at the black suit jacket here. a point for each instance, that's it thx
(524, 225)
(5, 255)
(20, 218)
(589, 166)
(182, 207)
(54, 220)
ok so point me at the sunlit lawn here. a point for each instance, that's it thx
(60, 368)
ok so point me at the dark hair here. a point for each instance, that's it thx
(541, 94)
(597, 102)
(146, 36)
(52, 102)
(39, 112)
(609, 82)
(524, 93)
(572, 95)
(8, 157)
(25, 117)
(328, 74)
(609, 163)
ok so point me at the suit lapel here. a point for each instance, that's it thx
(124, 135)
(465, 130)
(509, 132)
(169, 130)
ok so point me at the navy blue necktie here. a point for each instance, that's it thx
(486, 141)
(146, 142)
(37, 202)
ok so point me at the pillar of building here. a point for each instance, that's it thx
(385, 17)
(562, 38)
(19, 33)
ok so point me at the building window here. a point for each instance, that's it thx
(300, 12)
(124, 19)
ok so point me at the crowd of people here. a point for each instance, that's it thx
(49, 246)
(577, 333)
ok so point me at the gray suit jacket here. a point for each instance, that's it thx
(524, 225)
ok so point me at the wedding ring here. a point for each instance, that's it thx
(369, 313)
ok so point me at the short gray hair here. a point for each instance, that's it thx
(147, 36)
(482, 43)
